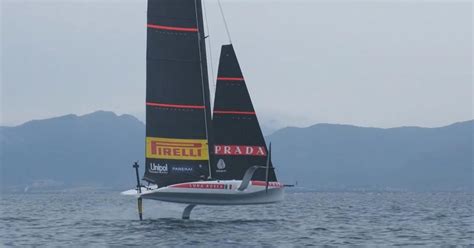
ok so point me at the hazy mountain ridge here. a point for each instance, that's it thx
(90, 149)
(396, 158)
(98, 149)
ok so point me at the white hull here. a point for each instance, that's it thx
(214, 193)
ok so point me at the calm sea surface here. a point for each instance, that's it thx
(102, 218)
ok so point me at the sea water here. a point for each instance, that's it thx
(104, 218)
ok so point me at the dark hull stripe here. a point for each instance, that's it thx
(233, 112)
(174, 105)
(172, 28)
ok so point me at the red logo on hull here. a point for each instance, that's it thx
(235, 150)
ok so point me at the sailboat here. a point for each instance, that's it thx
(194, 156)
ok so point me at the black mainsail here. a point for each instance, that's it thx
(238, 139)
(178, 114)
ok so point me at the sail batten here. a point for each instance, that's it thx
(230, 78)
(183, 29)
(167, 105)
(233, 112)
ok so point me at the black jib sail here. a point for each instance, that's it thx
(238, 139)
(177, 94)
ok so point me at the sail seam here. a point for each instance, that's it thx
(234, 112)
(154, 26)
(174, 105)
(230, 79)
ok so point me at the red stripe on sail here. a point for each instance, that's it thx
(230, 79)
(172, 28)
(233, 112)
(174, 105)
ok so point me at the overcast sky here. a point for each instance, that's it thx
(378, 63)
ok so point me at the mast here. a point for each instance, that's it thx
(204, 79)
(238, 140)
(177, 100)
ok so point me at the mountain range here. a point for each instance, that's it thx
(98, 149)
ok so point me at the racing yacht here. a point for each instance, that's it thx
(195, 155)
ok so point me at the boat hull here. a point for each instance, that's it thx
(215, 193)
